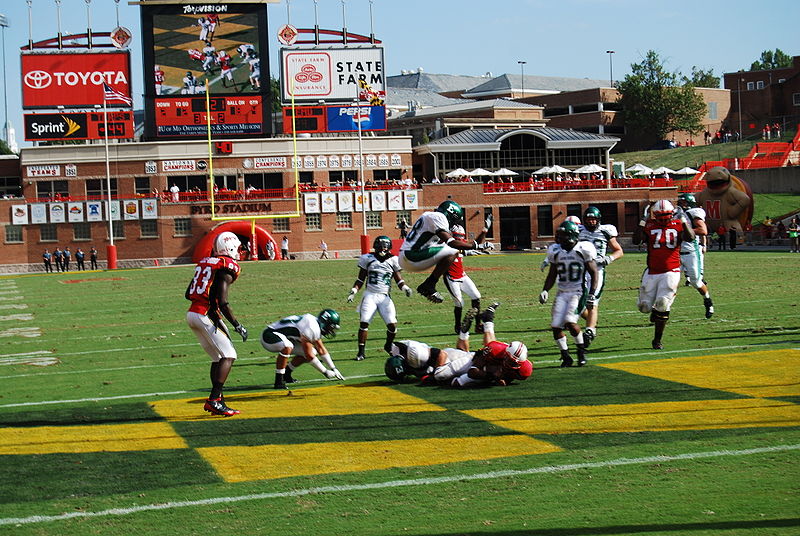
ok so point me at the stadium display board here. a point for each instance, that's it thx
(73, 79)
(320, 119)
(330, 74)
(78, 126)
(193, 48)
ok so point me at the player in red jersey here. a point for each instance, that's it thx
(663, 234)
(458, 283)
(208, 292)
(225, 68)
(158, 75)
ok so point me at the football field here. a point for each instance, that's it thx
(104, 431)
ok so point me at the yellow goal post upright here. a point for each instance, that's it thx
(251, 217)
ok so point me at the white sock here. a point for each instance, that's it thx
(562, 343)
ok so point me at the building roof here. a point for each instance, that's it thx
(439, 83)
(398, 98)
(485, 139)
(508, 83)
(460, 106)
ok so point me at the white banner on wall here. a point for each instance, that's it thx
(115, 216)
(94, 212)
(38, 213)
(130, 209)
(311, 203)
(19, 214)
(329, 202)
(149, 209)
(322, 162)
(75, 212)
(345, 201)
(395, 200)
(333, 161)
(378, 201)
(411, 199)
(57, 213)
(362, 201)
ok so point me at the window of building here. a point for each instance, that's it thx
(48, 232)
(486, 212)
(149, 228)
(51, 189)
(340, 177)
(374, 220)
(344, 221)
(118, 228)
(751, 86)
(796, 99)
(712, 110)
(183, 226)
(544, 218)
(13, 233)
(280, 225)
(10, 187)
(403, 215)
(264, 181)
(82, 230)
(632, 216)
(313, 222)
(306, 177)
(760, 84)
(96, 188)
(225, 182)
(142, 185)
(575, 210)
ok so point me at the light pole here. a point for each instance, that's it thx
(610, 67)
(4, 25)
(522, 72)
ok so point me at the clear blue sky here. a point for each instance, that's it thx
(472, 37)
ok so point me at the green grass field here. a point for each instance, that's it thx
(104, 431)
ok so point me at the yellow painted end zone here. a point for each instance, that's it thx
(238, 464)
(333, 400)
(773, 373)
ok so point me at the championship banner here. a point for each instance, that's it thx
(395, 200)
(57, 214)
(73, 80)
(75, 212)
(333, 161)
(311, 203)
(328, 202)
(38, 213)
(130, 209)
(149, 209)
(322, 162)
(346, 160)
(362, 202)
(19, 214)
(345, 201)
(411, 199)
(94, 211)
(378, 201)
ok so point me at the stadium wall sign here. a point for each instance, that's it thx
(73, 80)
(236, 208)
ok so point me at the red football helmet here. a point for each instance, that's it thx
(662, 211)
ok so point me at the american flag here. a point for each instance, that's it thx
(112, 94)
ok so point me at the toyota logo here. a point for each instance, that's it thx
(38, 79)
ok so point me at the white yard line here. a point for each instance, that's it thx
(548, 469)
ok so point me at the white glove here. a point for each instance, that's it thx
(485, 246)
(545, 264)
(603, 261)
(591, 301)
(352, 295)
(407, 290)
(334, 374)
(487, 223)
(543, 297)
(240, 329)
(646, 211)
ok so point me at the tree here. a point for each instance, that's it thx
(4, 148)
(772, 60)
(701, 78)
(655, 104)
(275, 88)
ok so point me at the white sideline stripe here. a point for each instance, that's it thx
(94, 399)
(394, 484)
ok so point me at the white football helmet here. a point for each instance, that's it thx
(574, 219)
(517, 351)
(418, 354)
(458, 232)
(662, 211)
(227, 244)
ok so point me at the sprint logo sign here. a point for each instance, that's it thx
(72, 126)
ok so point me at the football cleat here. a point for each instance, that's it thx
(287, 377)
(488, 314)
(217, 406)
(430, 293)
(657, 345)
(280, 382)
(566, 359)
(466, 323)
(588, 337)
(709, 307)
(359, 357)
(581, 355)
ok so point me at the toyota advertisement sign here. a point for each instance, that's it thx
(73, 80)
(330, 74)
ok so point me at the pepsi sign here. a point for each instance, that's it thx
(348, 118)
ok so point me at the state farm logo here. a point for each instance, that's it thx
(43, 79)
(308, 73)
(38, 79)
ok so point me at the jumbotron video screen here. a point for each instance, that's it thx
(194, 49)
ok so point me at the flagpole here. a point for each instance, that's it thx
(111, 249)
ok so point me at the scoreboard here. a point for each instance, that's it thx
(78, 126)
(230, 116)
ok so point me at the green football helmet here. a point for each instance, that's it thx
(591, 213)
(328, 322)
(382, 245)
(453, 211)
(394, 368)
(687, 200)
(567, 235)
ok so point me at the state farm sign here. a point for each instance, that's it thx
(73, 80)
